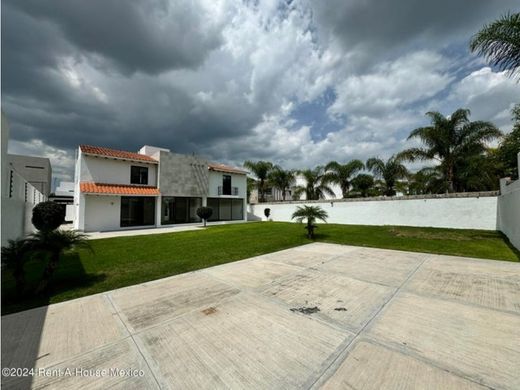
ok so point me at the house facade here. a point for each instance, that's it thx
(154, 187)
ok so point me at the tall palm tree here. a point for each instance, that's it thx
(282, 179)
(389, 171)
(311, 214)
(261, 170)
(316, 186)
(499, 43)
(450, 139)
(363, 183)
(341, 174)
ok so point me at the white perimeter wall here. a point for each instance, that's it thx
(509, 209)
(460, 213)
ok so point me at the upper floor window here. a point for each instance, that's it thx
(226, 184)
(139, 175)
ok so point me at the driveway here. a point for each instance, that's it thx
(319, 315)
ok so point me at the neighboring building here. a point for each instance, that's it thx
(64, 193)
(116, 189)
(18, 195)
(36, 170)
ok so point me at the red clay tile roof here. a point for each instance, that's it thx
(225, 168)
(119, 154)
(117, 189)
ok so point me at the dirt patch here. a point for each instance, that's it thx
(209, 311)
(306, 310)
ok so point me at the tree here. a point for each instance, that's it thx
(282, 179)
(389, 171)
(316, 186)
(426, 181)
(507, 152)
(54, 243)
(204, 213)
(14, 256)
(311, 214)
(362, 183)
(499, 43)
(261, 170)
(341, 174)
(450, 141)
(48, 216)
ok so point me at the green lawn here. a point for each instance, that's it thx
(123, 261)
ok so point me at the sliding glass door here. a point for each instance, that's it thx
(137, 211)
(177, 209)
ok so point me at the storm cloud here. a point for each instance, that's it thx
(296, 82)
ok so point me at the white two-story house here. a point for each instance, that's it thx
(116, 189)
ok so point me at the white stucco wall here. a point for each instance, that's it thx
(461, 213)
(215, 181)
(508, 215)
(102, 213)
(102, 170)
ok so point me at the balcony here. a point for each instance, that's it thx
(231, 191)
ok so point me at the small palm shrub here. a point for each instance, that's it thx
(311, 214)
(204, 213)
(14, 256)
(267, 212)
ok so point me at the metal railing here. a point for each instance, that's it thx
(233, 192)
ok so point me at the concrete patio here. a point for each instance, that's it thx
(316, 316)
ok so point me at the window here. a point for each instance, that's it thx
(226, 184)
(179, 209)
(138, 175)
(226, 209)
(137, 211)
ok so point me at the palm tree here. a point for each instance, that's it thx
(311, 214)
(261, 170)
(54, 243)
(316, 186)
(499, 43)
(14, 256)
(341, 174)
(389, 171)
(427, 181)
(363, 183)
(450, 139)
(282, 179)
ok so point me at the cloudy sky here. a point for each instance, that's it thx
(296, 82)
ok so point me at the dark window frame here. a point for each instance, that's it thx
(227, 186)
(138, 175)
(143, 220)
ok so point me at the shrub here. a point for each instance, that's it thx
(48, 216)
(204, 213)
(267, 212)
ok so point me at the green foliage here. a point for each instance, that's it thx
(507, 152)
(452, 141)
(281, 179)
(261, 170)
(267, 212)
(14, 256)
(389, 171)
(316, 186)
(47, 216)
(341, 174)
(204, 213)
(311, 214)
(499, 43)
(363, 184)
(52, 244)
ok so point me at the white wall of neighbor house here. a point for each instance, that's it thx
(508, 214)
(103, 170)
(461, 212)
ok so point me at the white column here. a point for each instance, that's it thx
(158, 202)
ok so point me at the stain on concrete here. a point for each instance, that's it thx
(305, 310)
(209, 311)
